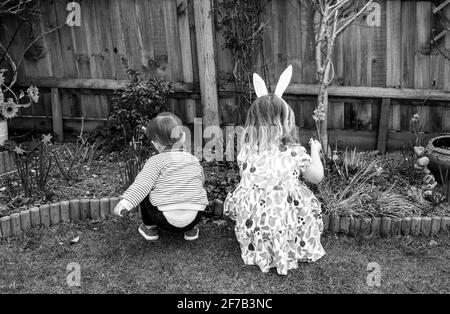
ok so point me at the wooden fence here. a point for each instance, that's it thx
(395, 60)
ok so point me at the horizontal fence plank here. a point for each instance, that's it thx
(101, 84)
(293, 89)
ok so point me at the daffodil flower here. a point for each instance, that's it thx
(18, 150)
(46, 139)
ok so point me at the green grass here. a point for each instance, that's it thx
(114, 258)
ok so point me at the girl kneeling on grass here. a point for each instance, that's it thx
(278, 219)
(169, 188)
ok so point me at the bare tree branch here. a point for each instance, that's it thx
(336, 7)
(19, 7)
(354, 17)
(332, 23)
(322, 33)
(36, 39)
(13, 66)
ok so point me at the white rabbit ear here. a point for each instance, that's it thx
(259, 85)
(283, 82)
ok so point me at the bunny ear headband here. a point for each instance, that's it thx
(283, 82)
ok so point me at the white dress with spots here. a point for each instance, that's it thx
(278, 219)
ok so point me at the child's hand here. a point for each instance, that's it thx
(119, 210)
(314, 172)
(316, 147)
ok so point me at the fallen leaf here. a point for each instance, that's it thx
(220, 222)
(433, 243)
(75, 240)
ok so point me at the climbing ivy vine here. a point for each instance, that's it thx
(243, 24)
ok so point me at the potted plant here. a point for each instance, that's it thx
(10, 103)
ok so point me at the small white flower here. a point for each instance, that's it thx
(415, 118)
(320, 113)
(33, 93)
(335, 156)
(378, 170)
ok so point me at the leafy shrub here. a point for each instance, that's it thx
(138, 102)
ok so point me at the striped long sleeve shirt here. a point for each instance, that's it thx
(170, 179)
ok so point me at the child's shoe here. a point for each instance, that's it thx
(150, 233)
(192, 234)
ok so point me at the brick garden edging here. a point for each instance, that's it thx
(52, 214)
(78, 210)
(386, 226)
(378, 226)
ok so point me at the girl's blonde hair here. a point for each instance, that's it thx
(270, 121)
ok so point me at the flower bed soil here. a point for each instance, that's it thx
(102, 179)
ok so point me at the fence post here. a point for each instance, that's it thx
(186, 54)
(383, 125)
(206, 62)
(57, 115)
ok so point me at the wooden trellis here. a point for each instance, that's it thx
(437, 9)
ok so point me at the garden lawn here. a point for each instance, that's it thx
(114, 258)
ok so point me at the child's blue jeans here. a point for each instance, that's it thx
(152, 216)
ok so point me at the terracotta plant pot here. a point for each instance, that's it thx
(438, 151)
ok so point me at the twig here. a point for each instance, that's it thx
(36, 39)
(354, 17)
(336, 7)
(18, 7)
(61, 168)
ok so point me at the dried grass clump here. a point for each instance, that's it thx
(397, 205)
(366, 193)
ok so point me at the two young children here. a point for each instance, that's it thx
(278, 219)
